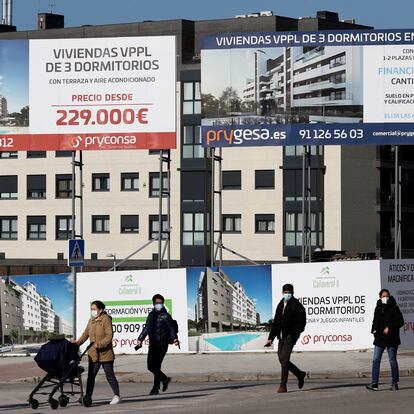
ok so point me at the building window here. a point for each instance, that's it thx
(265, 223)
(154, 227)
(9, 154)
(292, 184)
(36, 154)
(295, 151)
(154, 184)
(129, 181)
(36, 186)
(232, 223)
(231, 180)
(293, 229)
(100, 182)
(192, 147)
(63, 227)
(193, 229)
(100, 224)
(191, 98)
(36, 227)
(63, 186)
(264, 179)
(129, 224)
(8, 187)
(62, 154)
(8, 228)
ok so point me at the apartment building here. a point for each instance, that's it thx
(31, 312)
(261, 187)
(63, 327)
(10, 312)
(47, 315)
(223, 305)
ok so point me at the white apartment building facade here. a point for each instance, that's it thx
(30, 306)
(47, 314)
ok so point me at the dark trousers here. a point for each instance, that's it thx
(156, 354)
(376, 364)
(93, 369)
(284, 350)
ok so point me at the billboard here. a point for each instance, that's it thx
(128, 299)
(308, 88)
(398, 277)
(88, 94)
(339, 299)
(34, 308)
(229, 308)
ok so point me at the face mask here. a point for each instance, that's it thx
(287, 296)
(94, 313)
(158, 307)
(385, 300)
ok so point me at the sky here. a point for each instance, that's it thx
(256, 281)
(58, 287)
(379, 13)
(14, 73)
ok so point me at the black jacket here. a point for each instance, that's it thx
(387, 316)
(290, 322)
(160, 328)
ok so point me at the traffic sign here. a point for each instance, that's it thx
(76, 256)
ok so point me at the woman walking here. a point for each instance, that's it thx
(99, 331)
(386, 325)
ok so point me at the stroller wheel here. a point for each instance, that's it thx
(87, 401)
(34, 404)
(63, 400)
(53, 404)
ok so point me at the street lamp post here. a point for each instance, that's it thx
(113, 255)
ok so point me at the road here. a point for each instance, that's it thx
(318, 396)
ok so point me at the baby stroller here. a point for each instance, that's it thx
(60, 359)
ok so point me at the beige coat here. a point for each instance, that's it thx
(99, 331)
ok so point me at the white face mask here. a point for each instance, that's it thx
(158, 307)
(287, 296)
(94, 313)
(385, 299)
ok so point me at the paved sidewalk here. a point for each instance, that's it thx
(227, 366)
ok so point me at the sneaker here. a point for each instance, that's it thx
(372, 387)
(165, 384)
(301, 380)
(394, 387)
(154, 391)
(282, 389)
(115, 400)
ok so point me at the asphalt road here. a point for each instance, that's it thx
(318, 396)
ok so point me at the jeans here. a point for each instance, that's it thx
(284, 350)
(376, 363)
(156, 354)
(93, 369)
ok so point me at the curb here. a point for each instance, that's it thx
(229, 377)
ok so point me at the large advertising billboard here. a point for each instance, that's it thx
(88, 94)
(128, 299)
(339, 298)
(308, 88)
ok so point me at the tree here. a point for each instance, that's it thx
(230, 101)
(211, 106)
(14, 335)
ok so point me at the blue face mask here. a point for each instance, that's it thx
(158, 307)
(287, 296)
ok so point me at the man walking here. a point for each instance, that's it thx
(161, 331)
(289, 322)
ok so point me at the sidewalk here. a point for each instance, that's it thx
(227, 367)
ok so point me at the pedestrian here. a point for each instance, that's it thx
(161, 331)
(386, 325)
(99, 331)
(289, 322)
